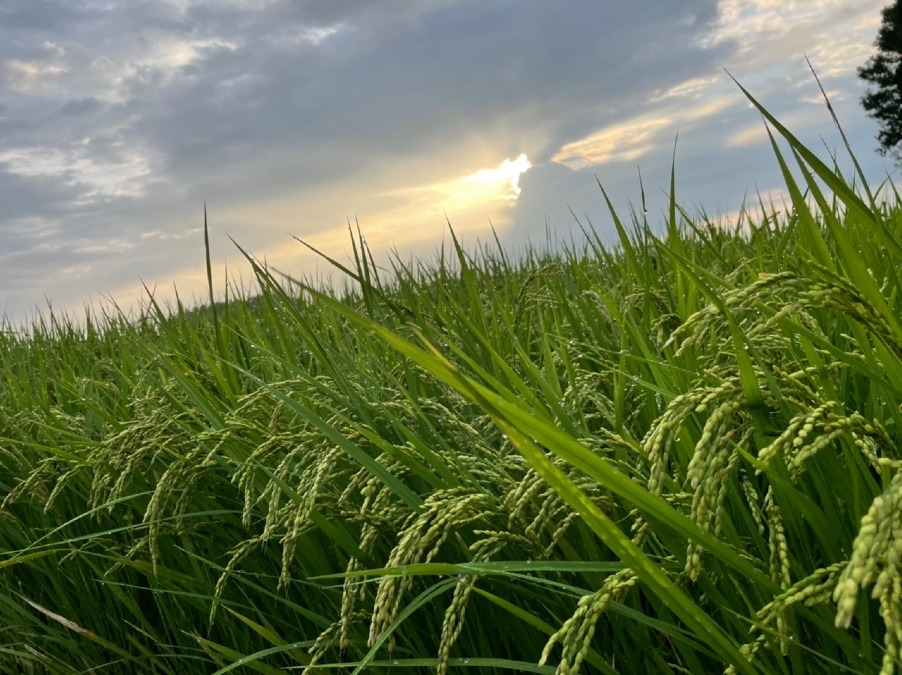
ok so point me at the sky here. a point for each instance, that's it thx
(292, 118)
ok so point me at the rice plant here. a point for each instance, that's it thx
(679, 454)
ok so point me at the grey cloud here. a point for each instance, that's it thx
(391, 86)
(31, 196)
(406, 89)
(81, 106)
(37, 15)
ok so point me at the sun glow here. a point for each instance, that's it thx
(502, 182)
(498, 184)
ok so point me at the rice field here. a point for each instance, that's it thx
(679, 454)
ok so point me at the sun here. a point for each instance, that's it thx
(499, 185)
(502, 182)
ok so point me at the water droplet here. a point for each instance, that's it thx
(396, 662)
(466, 661)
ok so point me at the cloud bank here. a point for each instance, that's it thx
(117, 121)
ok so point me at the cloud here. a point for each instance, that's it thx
(37, 15)
(631, 140)
(764, 38)
(627, 141)
(767, 33)
(39, 75)
(749, 135)
(117, 120)
(97, 174)
(81, 106)
(693, 88)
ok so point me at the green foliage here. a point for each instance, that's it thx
(677, 455)
(883, 72)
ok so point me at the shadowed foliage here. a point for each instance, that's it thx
(883, 72)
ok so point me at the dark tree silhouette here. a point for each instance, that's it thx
(883, 100)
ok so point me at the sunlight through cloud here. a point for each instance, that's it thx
(487, 185)
(484, 186)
